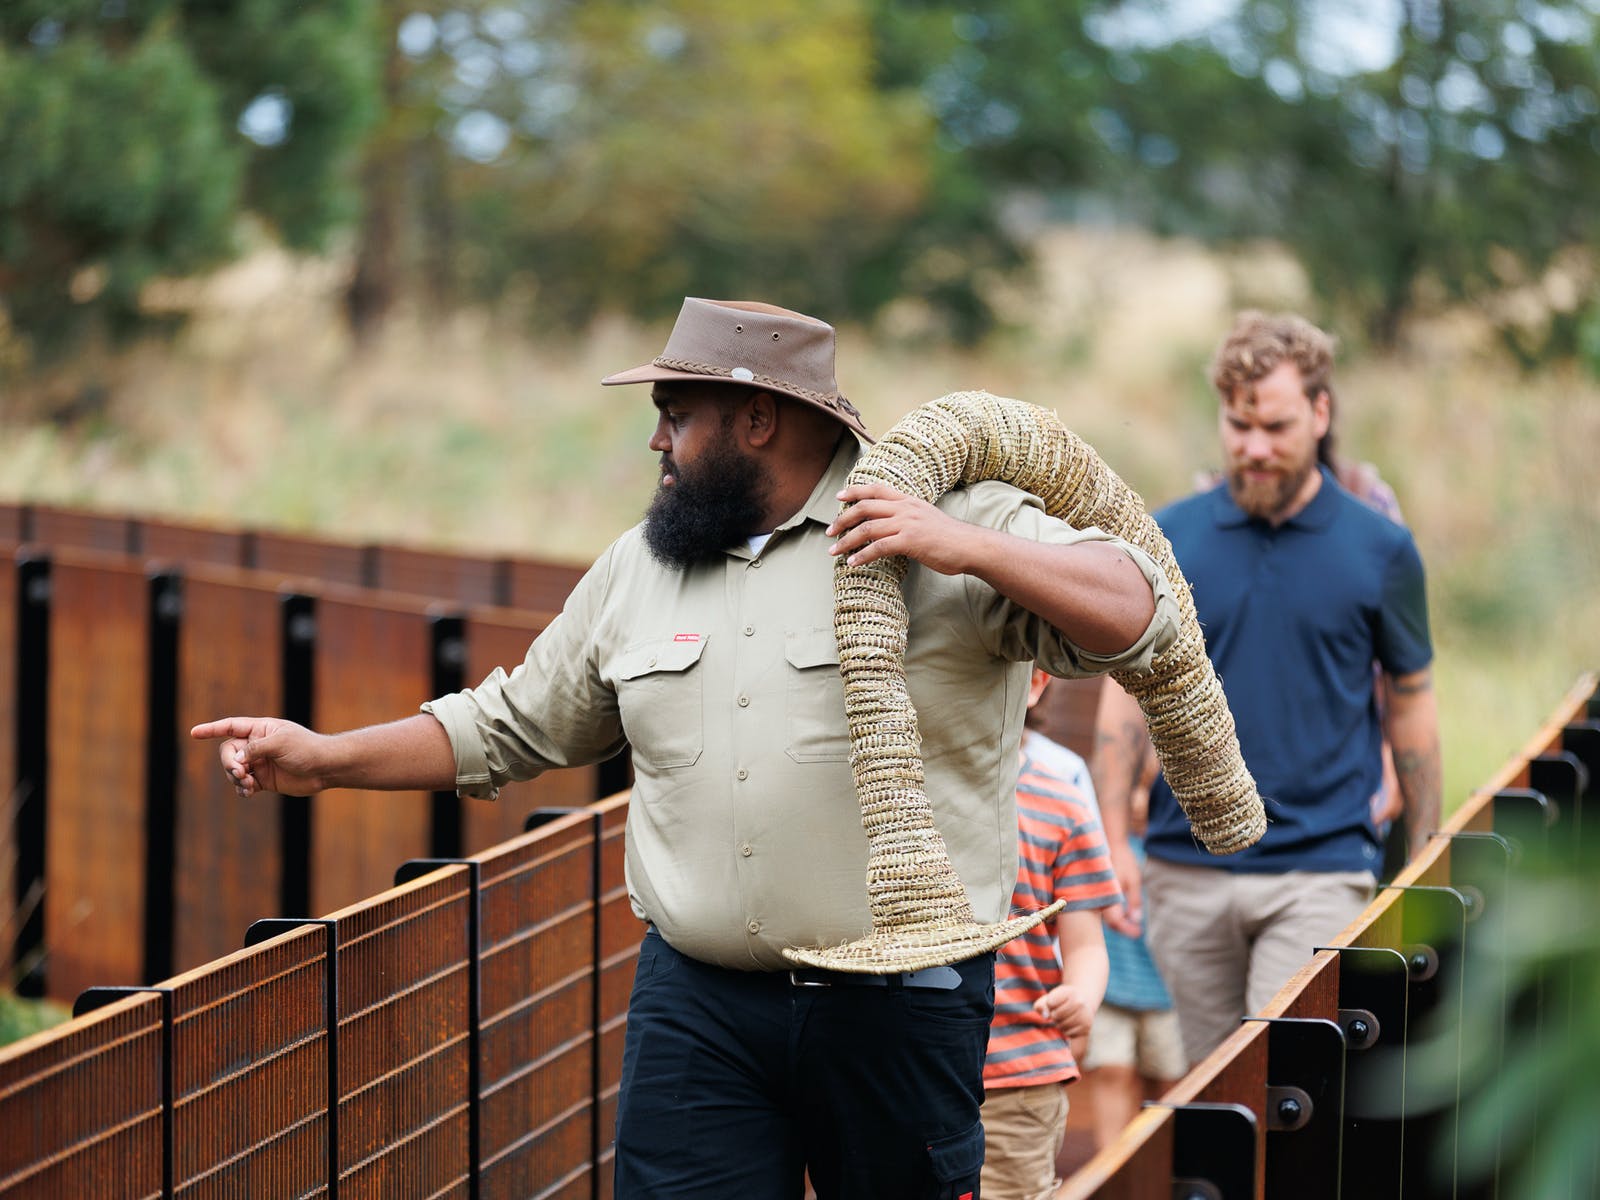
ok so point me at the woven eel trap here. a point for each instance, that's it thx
(921, 916)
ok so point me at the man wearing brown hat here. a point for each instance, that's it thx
(703, 639)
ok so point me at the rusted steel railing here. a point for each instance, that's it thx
(124, 855)
(1351, 1081)
(457, 1034)
(460, 1032)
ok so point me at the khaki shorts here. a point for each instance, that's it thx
(1144, 1040)
(1226, 941)
(1023, 1128)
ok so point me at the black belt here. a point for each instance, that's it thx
(939, 979)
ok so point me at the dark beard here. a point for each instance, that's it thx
(719, 503)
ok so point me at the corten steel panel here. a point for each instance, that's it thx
(542, 586)
(95, 839)
(620, 934)
(190, 545)
(1380, 925)
(372, 665)
(1066, 713)
(251, 1071)
(8, 737)
(1313, 992)
(403, 1039)
(538, 1010)
(1241, 1078)
(228, 853)
(69, 529)
(80, 1107)
(500, 638)
(13, 522)
(458, 577)
(1137, 1166)
(285, 556)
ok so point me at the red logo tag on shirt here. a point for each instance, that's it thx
(686, 637)
(966, 1196)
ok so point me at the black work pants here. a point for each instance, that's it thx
(734, 1083)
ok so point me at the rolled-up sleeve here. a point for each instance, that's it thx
(1018, 634)
(1157, 636)
(553, 710)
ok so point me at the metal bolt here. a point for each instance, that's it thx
(1288, 1110)
(1419, 962)
(1359, 1030)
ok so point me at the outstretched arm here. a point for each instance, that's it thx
(1092, 592)
(266, 754)
(1411, 723)
(1121, 743)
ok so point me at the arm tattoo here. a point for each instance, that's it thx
(1411, 685)
(1413, 765)
(1420, 785)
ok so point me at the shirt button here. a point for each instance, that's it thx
(749, 630)
(755, 562)
(746, 850)
(744, 701)
(754, 927)
(651, 663)
(743, 774)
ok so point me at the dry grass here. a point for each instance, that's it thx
(457, 432)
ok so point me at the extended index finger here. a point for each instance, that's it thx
(225, 727)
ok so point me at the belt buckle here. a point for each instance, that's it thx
(796, 981)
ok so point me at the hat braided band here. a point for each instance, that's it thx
(921, 916)
(700, 368)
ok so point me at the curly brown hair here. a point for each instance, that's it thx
(1259, 341)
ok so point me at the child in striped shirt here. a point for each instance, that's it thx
(1047, 988)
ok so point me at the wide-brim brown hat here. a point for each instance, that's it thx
(753, 344)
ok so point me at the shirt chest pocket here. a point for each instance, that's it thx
(660, 695)
(814, 705)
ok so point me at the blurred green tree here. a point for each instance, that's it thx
(405, 240)
(613, 155)
(1407, 150)
(1455, 154)
(133, 135)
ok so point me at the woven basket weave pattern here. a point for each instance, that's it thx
(920, 912)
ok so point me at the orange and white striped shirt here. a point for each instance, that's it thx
(1062, 856)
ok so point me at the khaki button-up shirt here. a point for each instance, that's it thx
(744, 834)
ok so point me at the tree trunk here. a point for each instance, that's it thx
(380, 269)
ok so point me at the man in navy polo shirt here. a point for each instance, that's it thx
(1300, 589)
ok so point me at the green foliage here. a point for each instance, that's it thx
(21, 1018)
(95, 199)
(1455, 150)
(1528, 1074)
(1588, 331)
(133, 136)
(571, 158)
(320, 61)
(701, 147)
